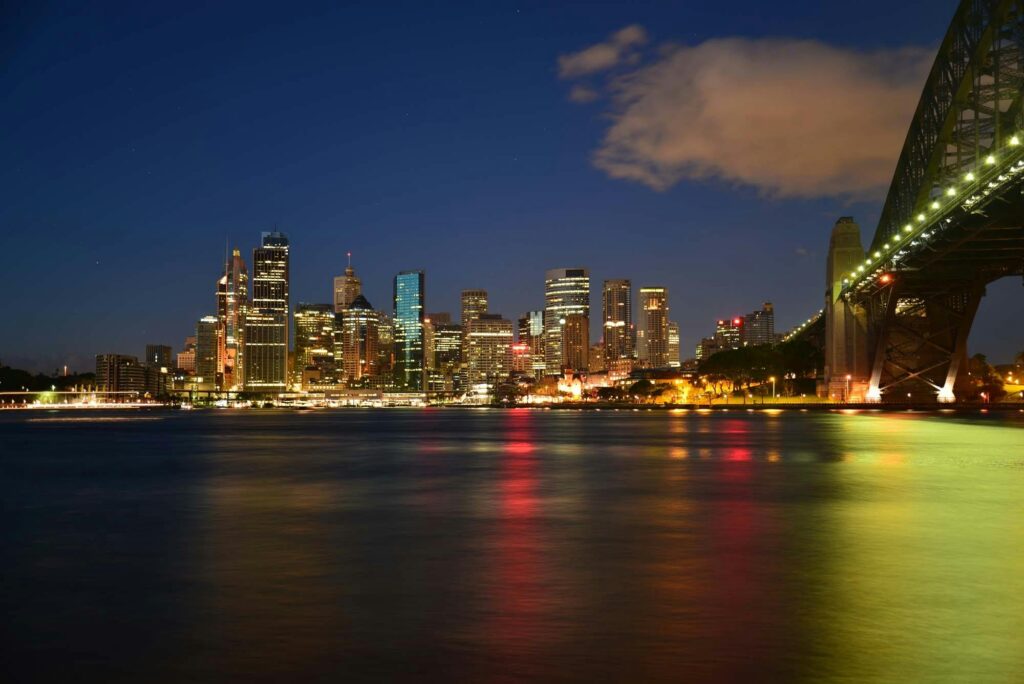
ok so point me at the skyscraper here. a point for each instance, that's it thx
(617, 312)
(652, 328)
(474, 303)
(206, 352)
(359, 334)
(759, 326)
(346, 287)
(488, 353)
(232, 311)
(314, 345)
(266, 330)
(159, 355)
(729, 333)
(674, 360)
(566, 292)
(408, 334)
(531, 332)
(576, 342)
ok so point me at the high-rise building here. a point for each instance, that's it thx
(408, 335)
(206, 352)
(729, 333)
(232, 311)
(360, 342)
(707, 348)
(488, 354)
(566, 292)
(428, 344)
(440, 317)
(119, 373)
(576, 342)
(447, 354)
(474, 303)
(617, 313)
(759, 326)
(531, 332)
(266, 330)
(385, 345)
(598, 362)
(186, 360)
(159, 355)
(652, 328)
(346, 287)
(674, 360)
(314, 360)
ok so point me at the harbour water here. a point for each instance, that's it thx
(492, 545)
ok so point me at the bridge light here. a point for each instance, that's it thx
(935, 204)
(920, 217)
(885, 279)
(950, 192)
(990, 159)
(1015, 141)
(877, 254)
(860, 269)
(886, 246)
(970, 176)
(907, 228)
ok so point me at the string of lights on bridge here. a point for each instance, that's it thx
(977, 187)
(803, 326)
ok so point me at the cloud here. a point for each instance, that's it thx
(792, 118)
(618, 49)
(583, 94)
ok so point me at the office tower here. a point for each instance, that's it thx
(759, 326)
(120, 373)
(531, 332)
(159, 355)
(566, 292)
(522, 362)
(186, 359)
(707, 348)
(474, 303)
(266, 337)
(674, 361)
(448, 340)
(314, 362)
(488, 354)
(385, 345)
(729, 333)
(597, 363)
(408, 331)
(428, 344)
(617, 313)
(652, 328)
(206, 352)
(360, 342)
(576, 343)
(232, 310)
(346, 287)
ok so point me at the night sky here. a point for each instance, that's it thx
(704, 146)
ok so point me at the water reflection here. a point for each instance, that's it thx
(516, 544)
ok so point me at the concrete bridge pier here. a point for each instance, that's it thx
(847, 370)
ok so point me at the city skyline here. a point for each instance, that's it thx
(132, 209)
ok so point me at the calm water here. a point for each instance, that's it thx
(502, 545)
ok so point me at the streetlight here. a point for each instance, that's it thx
(847, 397)
(772, 378)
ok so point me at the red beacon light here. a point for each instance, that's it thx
(737, 321)
(885, 278)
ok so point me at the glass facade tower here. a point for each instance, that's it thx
(266, 338)
(408, 331)
(617, 312)
(566, 292)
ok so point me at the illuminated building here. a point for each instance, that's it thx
(488, 352)
(474, 303)
(360, 342)
(521, 361)
(576, 342)
(159, 355)
(674, 360)
(232, 310)
(186, 359)
(729, 333)
(617, 315)
(652, 328)
(266, 330)
(314, 344)
(385, 345)
(346, 287)
(447, 353)
(408, 331)
(442, 317)
(428, 344)
(759, 326)
(566, 292)
(531, 332)
(707, 348)
(206, 352)
(598, 362)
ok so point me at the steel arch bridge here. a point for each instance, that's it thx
(898, 315)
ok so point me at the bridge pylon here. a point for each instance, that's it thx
(846, 340)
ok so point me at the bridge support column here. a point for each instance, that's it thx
(846, 370)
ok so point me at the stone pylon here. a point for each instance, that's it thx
(847, 369)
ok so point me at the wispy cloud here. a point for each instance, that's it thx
(792, 118)
(620, 48)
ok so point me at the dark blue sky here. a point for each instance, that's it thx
(135, 140)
